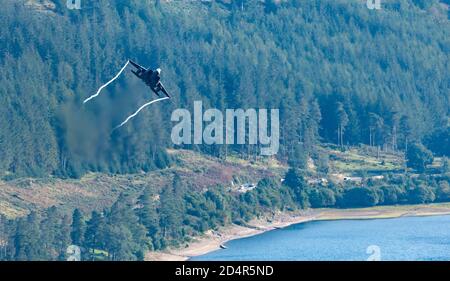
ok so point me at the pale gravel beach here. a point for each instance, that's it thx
(211, 240)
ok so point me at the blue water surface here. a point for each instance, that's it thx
(405, 238)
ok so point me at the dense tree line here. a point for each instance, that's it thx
(337, 71)
(154, 221)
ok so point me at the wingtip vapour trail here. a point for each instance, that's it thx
(109, 82)
(137, 112)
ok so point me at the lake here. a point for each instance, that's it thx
(405, 238)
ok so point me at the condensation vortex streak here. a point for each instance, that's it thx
(137, 112)
(105, 85)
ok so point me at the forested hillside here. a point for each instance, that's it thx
(378, 77)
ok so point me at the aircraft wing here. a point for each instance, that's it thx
(161, 86)
(140, 68)
(155, 91)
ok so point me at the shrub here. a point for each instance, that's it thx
(392, 195)
(321, 197)
(418, 157)
(421, 194)
(443, 192)
(360, 197)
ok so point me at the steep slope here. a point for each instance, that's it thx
(387, 70)
(98, 191)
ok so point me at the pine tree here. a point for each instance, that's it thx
(49, 229)
(122, 220)
(94, 235)
(78, 228)
(26, 239)
(172, 209)
(148, 216)
(342, 118)
(63, 238)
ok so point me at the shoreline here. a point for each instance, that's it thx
(212, 240)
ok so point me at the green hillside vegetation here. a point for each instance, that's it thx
(98, 191)
(200, 172)
(336, 71)
(364, 113)
(168, 208)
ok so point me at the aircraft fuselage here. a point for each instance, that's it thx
(151, 78)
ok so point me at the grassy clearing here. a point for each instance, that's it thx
(96, 191)
(10, 211)
(357, 160)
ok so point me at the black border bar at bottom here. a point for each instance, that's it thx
(223, 270)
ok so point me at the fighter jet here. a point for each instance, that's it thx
(150, 77)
